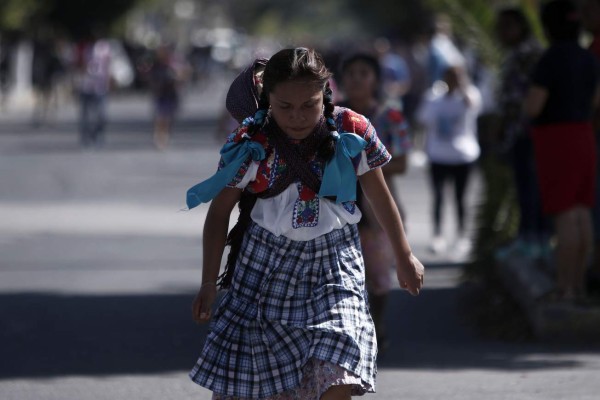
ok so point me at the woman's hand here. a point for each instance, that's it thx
(202, 306)
(410, 271)
(411, 275)
(213, 244)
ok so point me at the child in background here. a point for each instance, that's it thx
(361, 84)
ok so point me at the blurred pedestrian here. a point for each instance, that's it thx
(443, 52)
(523, 51)
(92, 82)
(449, 115)
(166, 75)
(394, 75)
(361, 79)
(591, 22)
(561, 101)
(294, 322)
(6, 63)
(45, 70)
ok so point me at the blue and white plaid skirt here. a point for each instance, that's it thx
(289, 301)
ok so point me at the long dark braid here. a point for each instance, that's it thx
(327, 146)
(262, 114)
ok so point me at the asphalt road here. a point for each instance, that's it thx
(98, 268)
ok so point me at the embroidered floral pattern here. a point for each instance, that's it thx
(377, 154)
(392, 130)
(350, 206)
(276, 168)
(306, 208)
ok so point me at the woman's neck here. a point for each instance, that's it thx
(363, 105)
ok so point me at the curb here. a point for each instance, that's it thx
(528, 284)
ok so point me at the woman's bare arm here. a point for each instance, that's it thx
(213, 244)
(409, 270)
(215, 232)
(535, 101)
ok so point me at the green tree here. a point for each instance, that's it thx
(15, 14)
(73, 17)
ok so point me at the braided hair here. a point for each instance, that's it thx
(297, 64)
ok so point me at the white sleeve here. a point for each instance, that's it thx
(363, 165)
(475, 99)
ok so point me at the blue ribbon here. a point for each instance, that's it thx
(339, 177)
(233, 155)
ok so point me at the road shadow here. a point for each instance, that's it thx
(48, 335)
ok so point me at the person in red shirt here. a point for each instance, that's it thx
(561, 102)
(591, 22)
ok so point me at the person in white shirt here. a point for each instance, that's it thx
(93, 84)
(449, 115)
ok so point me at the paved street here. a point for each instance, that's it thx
(99, 265)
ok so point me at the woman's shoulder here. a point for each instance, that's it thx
(348, 120)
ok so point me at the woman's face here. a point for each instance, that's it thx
(509, 31)
(297, 107)
(453, 77)
(359, 81)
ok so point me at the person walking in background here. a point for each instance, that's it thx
(294, 321)
(6, 63)
(561, 101)
(449, 115)
(362, 86)
(523, 51)
(591, 22)
(46, 68)
(394, 75)
(165, 77)
(93, 84)
(443, 52)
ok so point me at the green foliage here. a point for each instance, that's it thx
(407, 19)
(497, 216)
(73, 17)
(473, 22)
(294, 19)
(16, 14)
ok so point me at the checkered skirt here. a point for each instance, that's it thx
(289, 301)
